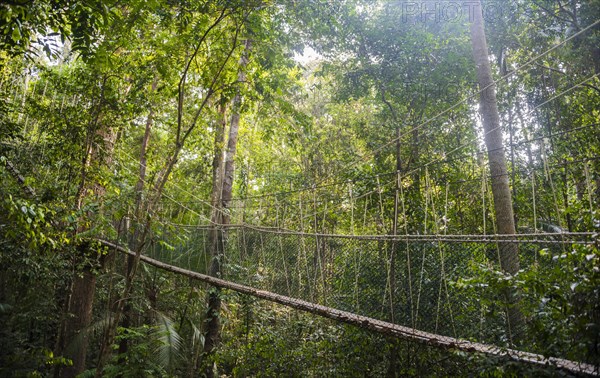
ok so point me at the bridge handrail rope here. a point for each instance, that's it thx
(370, 177)
(372, 324)
(458, 238)
(521, 237)
(180, 204)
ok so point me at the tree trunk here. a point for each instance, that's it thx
(76, 333)
(73, 340)
(134, 241)
(509, 252)
(214, 234)
(219, 148)
(221, 217)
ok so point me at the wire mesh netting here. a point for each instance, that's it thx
(448, 285)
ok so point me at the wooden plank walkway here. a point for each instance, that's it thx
(379, 326)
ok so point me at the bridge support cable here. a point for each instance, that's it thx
(375, 325)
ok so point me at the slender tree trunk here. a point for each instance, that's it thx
(509, 252)
(222, 218)
(219, 148)
(513, 168)
(565, 193)
(137, 215)
(214, 234)
(393, 366)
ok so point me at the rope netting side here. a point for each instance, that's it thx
(438, 285)
(376, 325)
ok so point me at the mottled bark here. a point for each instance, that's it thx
(82, 300)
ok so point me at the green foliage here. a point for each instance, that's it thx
(170, 342)
(264, 339)
(139, 360)
(35, 26)
(30, 273)
(558, 295)
(30, 222)
(34, 362)
(563, 302)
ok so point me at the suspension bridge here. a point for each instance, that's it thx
(423, 288)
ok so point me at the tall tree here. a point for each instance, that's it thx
(509, 251)
(221, 217)
(188, 120)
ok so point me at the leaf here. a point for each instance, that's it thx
(5, 307)
(197, 335)
(96, 327)
(47, 50)
(170, 341)
(16, 35)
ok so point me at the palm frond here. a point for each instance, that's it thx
(170, 342)
(197, 335)
(5, 307)
(96, 327)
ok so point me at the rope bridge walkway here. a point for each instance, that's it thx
(417, 287)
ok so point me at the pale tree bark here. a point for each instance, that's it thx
(393, 366)
(215, 201)
(509, 251)
(221, 216)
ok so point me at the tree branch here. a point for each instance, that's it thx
(14, 172)
(181, 86)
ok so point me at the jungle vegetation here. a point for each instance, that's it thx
(120, 120)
